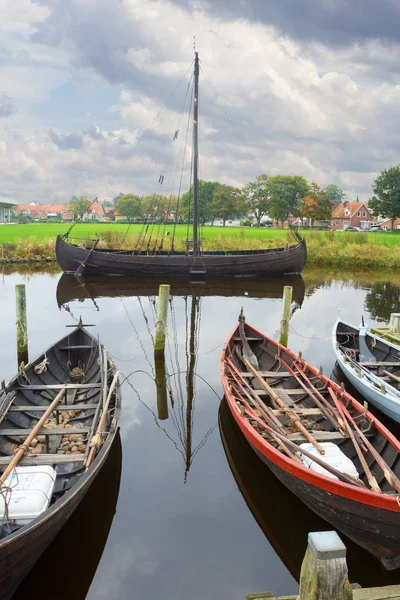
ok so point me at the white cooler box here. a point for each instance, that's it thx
(32, 488)
(333, 456)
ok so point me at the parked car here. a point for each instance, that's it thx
(353, 229)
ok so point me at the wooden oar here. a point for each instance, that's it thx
(390, 476)
(253, 415)
(318, 398)
(371, 479)
(96, 439)
(252, 396)
(391, 375)
(23, 447)
(292, 416)
(341, 476)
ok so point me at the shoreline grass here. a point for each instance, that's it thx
(359, 250)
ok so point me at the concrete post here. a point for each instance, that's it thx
(22, 327)
(287, 302)
(324, 574)
(161, 325)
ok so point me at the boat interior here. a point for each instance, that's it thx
(307, 397)
(78, 369)
(372, 353)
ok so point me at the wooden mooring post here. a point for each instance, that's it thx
(287, 302)
(324, 574)
(22, 326)
(162, 315)
(161, 386)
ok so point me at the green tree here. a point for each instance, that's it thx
(257, 195)
(129, 206)
(317, 205)
(386, 187)
(205, 199)
(79, 206)
(335, 192)
(227, 202)
(287, 192)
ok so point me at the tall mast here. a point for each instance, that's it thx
(195, 153)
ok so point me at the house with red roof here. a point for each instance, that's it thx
(351, 214)
(44, 211)
(95, 212)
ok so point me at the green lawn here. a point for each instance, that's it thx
(44, 231)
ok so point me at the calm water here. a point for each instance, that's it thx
(177, 524)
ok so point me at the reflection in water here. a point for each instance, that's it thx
(282, 517)
(71, 288)
(66, 569)
(155, 511)
(382, 299)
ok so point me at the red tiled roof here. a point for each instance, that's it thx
(352, 207)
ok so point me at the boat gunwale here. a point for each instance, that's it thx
(298, 470)
(87, 476)
(393, 395)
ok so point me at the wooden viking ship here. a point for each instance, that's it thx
(320, 442)
(194, 261)
(58, 420)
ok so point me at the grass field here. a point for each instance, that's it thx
(43, 231)
(361, 250)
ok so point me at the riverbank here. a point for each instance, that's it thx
(347, 250)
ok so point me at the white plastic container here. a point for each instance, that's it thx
(32, 488)
(333, 456)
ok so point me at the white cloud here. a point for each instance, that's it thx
(323, 113)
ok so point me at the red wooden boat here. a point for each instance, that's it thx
(327, 448)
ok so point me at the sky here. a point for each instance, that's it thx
(93, 91)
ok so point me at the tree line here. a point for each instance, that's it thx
(277, 197)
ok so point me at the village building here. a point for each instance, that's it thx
(386, 224)
(6, 206)
(95, 212)
(351, 214)
(45, 212)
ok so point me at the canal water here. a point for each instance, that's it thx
(184, 508)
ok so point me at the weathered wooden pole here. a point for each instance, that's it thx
(394, 323)
(161, 325)
(287, 302)
(161, 386)
(22, 326)
(324, 574)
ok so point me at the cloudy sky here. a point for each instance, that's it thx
(307, 87)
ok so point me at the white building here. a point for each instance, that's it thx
(5, 209)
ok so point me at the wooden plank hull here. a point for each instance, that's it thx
(372, 383)
(31, 392)
(251, 263)
(374, 529)
(19, 552)
(370, 518)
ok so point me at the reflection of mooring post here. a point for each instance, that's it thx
(22, 327)
(162, 403)
(161, 325)
(159, 347)
(287, 302)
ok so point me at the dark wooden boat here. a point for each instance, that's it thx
(78, 371)
(284, 520)
(280, 402)
(194, 262)
(71, 288)
(72, 552)
(371, 364)
(244, 263)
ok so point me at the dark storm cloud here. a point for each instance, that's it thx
(7, 107)
(331, 22)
